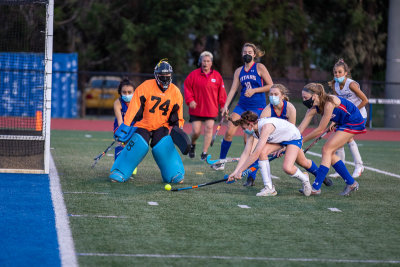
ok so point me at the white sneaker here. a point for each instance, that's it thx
(307, 188)
(334, 175)
(267, 192)
(218, 166)
(358, 170)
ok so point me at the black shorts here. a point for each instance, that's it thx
(198, 118)
(155, 135)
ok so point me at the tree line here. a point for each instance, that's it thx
(131, 36)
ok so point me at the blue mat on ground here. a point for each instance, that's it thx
(28, 234)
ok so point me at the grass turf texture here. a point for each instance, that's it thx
(208, 222)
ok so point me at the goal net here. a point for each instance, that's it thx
(25, 85)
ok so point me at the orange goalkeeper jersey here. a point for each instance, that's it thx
(150, 108)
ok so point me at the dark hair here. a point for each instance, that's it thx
(318, 89)
(125, 82)
(339, 63)
(245, 118)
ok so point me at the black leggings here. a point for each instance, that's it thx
(155, 135)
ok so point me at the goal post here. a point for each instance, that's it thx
(26, 49)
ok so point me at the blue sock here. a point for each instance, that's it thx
(253, 174)
(321, 174)
(224, 148)
(342, 170)
(313, 169)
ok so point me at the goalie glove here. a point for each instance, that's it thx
(124, 133)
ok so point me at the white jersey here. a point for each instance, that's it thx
(284, 130)
(347, 93)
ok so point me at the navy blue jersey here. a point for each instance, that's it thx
(123, 111)
(249, 80)
(283, 113)
(346, 113)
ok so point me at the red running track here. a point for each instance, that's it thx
(107, 126)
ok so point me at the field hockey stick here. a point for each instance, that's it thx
(96, 159)
(316, 140)
(220, 123)
(244, 173)
(226, 160)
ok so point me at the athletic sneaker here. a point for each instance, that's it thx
(307, 187)
(358, 170)
(350, 188)
(203, 156)
(249, 182)
(328, 182)
(192, 152)
(313, 191)
(267, 192)
(334, 175)
(218, 166)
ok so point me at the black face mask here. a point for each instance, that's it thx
(309, 103)
(247, 58)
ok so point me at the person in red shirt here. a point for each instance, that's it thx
(205, 95)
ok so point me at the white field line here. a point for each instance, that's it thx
(64, 236)
(236, 258)
(91, 193)
(365, 167)
(244, 206)
(98, 216)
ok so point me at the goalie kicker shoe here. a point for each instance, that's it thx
(350, 188)
(267, 192)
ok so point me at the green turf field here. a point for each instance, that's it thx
(205, 226)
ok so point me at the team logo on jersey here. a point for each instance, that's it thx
(213, 80)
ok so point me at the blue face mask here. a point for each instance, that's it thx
(127, 98)
(340, 79)
(274, 100)
(247, 131)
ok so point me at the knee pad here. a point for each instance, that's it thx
(133, 153)
(168, 160)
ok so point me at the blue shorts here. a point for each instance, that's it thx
(298, 142)
(358, 128)
(240, 109)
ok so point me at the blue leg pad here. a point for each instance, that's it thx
(168, 160)
(129, 158)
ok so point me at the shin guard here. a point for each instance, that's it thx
(168, 160)
(133, 153)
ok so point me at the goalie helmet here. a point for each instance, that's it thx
(163, 74)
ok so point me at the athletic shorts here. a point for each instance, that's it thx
(193, 118)
(155, 135)
(298, 142)
(358, 128)
(240, 109)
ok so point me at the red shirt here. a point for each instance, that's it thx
(207, 90)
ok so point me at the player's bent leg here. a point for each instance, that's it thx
(129, 158)
(168, 160)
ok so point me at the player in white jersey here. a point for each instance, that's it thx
(349, 89)
(266, 136)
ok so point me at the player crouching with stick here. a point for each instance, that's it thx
(348, 121)
(156, 106)
(266, 136)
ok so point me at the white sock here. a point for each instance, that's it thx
(265, 172)
(356, 154)
(300, 175)
(341, 154)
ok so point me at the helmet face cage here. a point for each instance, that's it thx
(161, 69)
